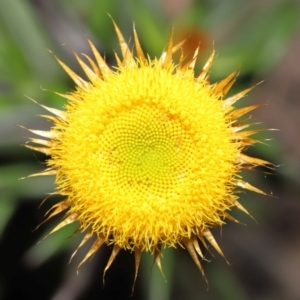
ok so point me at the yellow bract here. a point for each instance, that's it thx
(147, 154)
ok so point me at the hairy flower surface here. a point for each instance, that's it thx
(147, 154)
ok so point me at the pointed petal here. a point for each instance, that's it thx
(138, 48)
(77, 79)
(246, 141)
(96, 245)
(52, 119)
(209, 237)
(103, 67)
(44, 150)
(119, 61)
(245, 134)
(112, 257)
(239, 206)
(224, 85)
(166, 57)
(234, 114)
(227, 87)
(68, 220)
(41, 142)
(56, 112)
(196, 246)
(190, 248)
(87, 70)
(180, 65)
(203, 74)
(240, 127)
(43, 133)
(86, 237)
(191, 63)
(56, 209)
(137, 258)
(178, 46)
(47, 172)
(68, 97)
(126, 53)
(93, 65)
(231, 218)
(245, 159)
(248, 186)
(231, 100)
(44, 200)
(157, 252)
(200, 237)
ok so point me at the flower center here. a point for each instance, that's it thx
(146, 152)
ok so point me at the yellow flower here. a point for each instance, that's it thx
(147, 154)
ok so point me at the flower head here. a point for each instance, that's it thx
(147, 154)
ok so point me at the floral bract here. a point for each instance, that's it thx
(147, 154)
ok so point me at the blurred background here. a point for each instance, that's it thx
(260, 37)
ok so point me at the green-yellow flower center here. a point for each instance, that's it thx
(146, 153)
